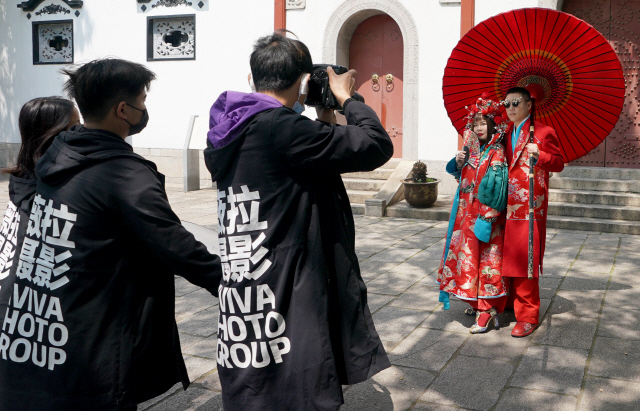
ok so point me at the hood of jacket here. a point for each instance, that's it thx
(229, 116)
(21, 188)
(76, 149)
(232, 111)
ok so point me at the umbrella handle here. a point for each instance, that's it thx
(531, 207)
(531, 189)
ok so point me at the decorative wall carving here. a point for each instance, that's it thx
(53, 42)
(337, 36)
(172, 38)
(172, 3)
(296, 4)
(53, 9)
(31, 5)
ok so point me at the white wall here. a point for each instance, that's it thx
(225, 34)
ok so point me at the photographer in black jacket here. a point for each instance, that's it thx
(294, 322)
(91, 323)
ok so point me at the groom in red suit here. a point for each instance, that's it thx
(524, 293)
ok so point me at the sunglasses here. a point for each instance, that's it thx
(516, 101)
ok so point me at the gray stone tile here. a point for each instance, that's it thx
(194, 399)
(194, 302)
(623, 298)
(486, 345)
(548, 286)
(553, 369)
(566, 330)
(544, 307)
(370, 269)
(595, 261)
(148, 404)
(578, 281)
(187, 340)
(423, 406)
(392, 283)
(363, 255)
(202, 324)
(210, 380)
(617, 323)
(418, 297)
(395, 388)
(416, 267)
(205, 348)
(614, 358)
(198, 366)
(184, 287)
(426, 349)
(578, 303)
(395, 255)
(434, 252)
(460, 384)
(453, 319)
(417, 241)
(602, 241)
(394, 324)
(376, 301)
(609, 395)
(627, 276)
(527, 400)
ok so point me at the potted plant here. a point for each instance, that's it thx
(420, 190)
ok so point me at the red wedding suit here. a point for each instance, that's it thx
(524, 292)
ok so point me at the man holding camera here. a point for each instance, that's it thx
(294, 322)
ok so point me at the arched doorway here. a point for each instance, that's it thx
(376, 53)
(336, 44)
(618, 22)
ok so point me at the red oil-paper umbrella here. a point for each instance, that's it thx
(571, 61)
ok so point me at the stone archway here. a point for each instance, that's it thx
(337, 36)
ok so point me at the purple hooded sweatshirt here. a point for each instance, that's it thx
(231, 112)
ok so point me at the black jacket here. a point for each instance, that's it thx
(96, 274)
(294, 322)
(12, 229)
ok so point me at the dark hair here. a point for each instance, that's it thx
(520, 90)
(40, 120)
(491, 125)
(100, 84)
(278, 61)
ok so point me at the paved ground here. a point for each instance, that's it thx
(584, 356)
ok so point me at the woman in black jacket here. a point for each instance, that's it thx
(40, 120)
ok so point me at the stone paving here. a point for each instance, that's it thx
(584, 356)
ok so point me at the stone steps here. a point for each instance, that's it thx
(594, 184)
(378, 174)
(600, 173)
(363, 184)
(593, 224)
(610, 212)
(611, 198)
(358, 196)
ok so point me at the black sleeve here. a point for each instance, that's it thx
(144, 207)
(361, 145)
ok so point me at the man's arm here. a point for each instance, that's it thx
(549, 156)
(361, 145)
(143, 206)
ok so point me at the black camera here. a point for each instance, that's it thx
(320, 94)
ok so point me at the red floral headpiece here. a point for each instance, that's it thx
(490, 108)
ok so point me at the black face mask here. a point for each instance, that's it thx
(136, 128)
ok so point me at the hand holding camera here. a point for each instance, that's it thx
(341, 85)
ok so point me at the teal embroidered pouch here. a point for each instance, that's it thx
(493, 188)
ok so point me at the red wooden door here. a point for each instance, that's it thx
(377, 53)
(619, 22)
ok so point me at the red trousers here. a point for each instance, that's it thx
(524, 297)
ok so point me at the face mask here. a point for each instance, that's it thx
(304, 90)
(136, 128)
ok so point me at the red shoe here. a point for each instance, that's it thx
(522, 329)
